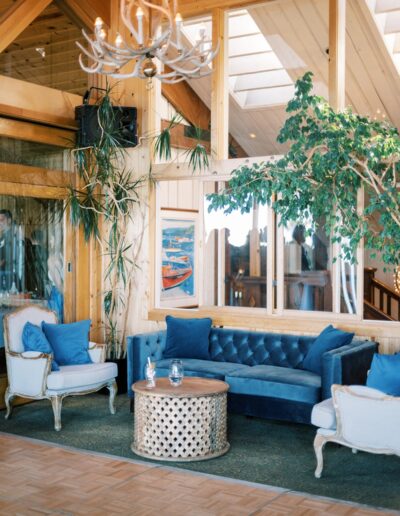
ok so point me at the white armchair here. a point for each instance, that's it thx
(29, 372)
(358, 417)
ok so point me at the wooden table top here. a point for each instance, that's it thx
(191, 387)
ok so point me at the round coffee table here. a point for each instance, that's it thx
(184, 423)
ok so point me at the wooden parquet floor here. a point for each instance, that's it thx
(42, 479)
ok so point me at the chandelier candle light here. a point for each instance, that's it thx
(148, 51)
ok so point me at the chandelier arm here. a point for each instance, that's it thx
(134, 73)
(123, 52)
(95, 69)
(126, 18)
(194, 71)
(130, 52)
(156, 7)
(170, 81)
(93, 56)
(101, 60)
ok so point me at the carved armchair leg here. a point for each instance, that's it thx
(8, 398)
(56, 402)
(112, 387)
(319, 443)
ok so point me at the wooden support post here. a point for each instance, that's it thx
(337, 53)
(337, 98)
(219, 87)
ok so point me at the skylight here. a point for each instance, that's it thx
(386, 14)
(257, 77)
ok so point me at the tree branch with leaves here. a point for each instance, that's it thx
(331, 156)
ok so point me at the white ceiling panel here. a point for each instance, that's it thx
(247, 44)
(261, 80)
(253, 63)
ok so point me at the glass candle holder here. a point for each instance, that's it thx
(175, 372)
(150, 374)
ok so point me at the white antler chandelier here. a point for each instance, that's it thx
(155, 37)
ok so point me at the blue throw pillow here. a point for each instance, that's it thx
(187, 338)
(70, 342)
(330, 338)
(33, 339)
(384, 374)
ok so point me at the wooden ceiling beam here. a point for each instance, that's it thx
(191, 8)
(337, 54)
(84, 12)
(17, 18)
(185, 101)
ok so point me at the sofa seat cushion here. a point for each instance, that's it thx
(323, 415)
(276, 382)
(205, 368)
(75, 376)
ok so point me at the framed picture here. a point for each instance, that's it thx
(177, 259)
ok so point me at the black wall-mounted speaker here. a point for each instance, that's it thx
(89, 131)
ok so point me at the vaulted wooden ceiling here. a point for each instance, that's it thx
(297, 30)
(44, 52)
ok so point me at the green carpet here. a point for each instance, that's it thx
(267, 452)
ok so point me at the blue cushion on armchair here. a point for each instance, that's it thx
(33, 339)
(330, 338)
(70, 342)
(187, 338)
(384, 374)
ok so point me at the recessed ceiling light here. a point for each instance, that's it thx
(41, 51)
(252, 135)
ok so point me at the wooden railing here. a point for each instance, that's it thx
(380, 301)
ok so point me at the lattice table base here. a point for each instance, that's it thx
(179, 428)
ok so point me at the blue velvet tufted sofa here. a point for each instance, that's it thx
(264, 370)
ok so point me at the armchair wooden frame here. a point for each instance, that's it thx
(42, 362)
(337, 436)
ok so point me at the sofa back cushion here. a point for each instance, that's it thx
(256, 348)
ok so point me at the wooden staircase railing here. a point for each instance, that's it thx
(380, 301)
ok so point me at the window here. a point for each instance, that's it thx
(250, 261)
(307, 268)
(32, 153)
(31, 254)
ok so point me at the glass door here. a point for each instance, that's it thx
(31, 254)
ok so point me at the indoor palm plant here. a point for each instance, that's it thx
(103, 204)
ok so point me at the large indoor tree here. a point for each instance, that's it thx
(331, 156)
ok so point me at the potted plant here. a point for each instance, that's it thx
(103, 205)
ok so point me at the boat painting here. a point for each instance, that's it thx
(177, 252)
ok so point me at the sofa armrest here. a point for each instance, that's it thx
(139, 348)
(347, 365)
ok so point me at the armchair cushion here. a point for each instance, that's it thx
(187, 338)
(330, 338)
(385, 374)
(323, 415)
(70, 342)
(34, 339)
(77, 376)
